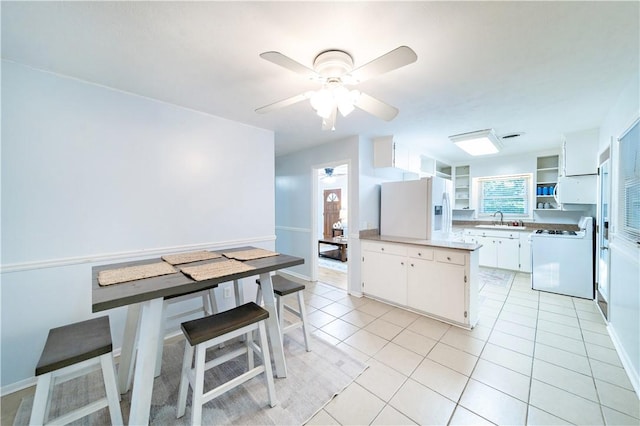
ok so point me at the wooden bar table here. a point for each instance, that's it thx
(144, 299)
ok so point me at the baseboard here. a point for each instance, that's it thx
(294, 275)
(634, 378)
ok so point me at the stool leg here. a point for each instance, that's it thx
(198, 386)
(280, 306)
(266, 359)
(259, 296)
(40, 400)
(184, 379)
(214, 301)
(113, 397)
(303, 317)
(248, 340)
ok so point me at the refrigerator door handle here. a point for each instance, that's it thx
(447, 212)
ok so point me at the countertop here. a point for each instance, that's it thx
(529, 226)
(426, 243)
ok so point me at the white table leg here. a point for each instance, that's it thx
(273, 325)
(125, 367)
(148, 335)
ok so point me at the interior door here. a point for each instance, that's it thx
(332, 204)
(604, 212)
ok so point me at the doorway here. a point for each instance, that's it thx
(332, 228)
(602, 232)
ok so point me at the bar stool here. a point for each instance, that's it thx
(281, 288)
(210, 331)
(71, 351)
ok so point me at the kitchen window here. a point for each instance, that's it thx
(629, 184)
(508, 194)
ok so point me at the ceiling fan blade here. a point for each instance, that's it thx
(330, 122)
(375, 107)
(390, 61)
(284, 103)
(288, 63)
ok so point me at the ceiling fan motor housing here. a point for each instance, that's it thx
(333, 63)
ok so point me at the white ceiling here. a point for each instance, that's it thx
(541, 68)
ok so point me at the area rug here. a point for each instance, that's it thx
(494, 277)
(313, 379)
(336, 265)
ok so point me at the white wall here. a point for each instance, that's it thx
(92, 175)
(624, 295)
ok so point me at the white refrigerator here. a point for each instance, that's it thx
(416, 208)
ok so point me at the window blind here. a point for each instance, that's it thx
(629, 183)
(508, 194)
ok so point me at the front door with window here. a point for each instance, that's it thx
(332, 203)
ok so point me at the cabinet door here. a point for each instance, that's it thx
(525, 253)
(448, 294)
(508, 253)
(385, 276)
(488, 252)
(437, 288)
(420, 283)
(581, 153)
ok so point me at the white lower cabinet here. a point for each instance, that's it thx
(434, 281)
(500, 249)
(525, 252)
(383, 276)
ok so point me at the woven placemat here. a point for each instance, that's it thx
(132, 273)
(215, 269)
(194, 256)
(250, 254)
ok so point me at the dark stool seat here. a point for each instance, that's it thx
(203, 329)
(204, 333)
(73, 350)
(283, 287)
(74, 343)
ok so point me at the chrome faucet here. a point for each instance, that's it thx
(501, 217)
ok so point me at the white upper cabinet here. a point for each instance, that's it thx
(580, 153)
(388, 153)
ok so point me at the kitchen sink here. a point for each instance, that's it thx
(501, 227)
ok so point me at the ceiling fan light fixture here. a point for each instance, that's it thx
(322, 102)
(481, 142)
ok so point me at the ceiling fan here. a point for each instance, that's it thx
(334, 70)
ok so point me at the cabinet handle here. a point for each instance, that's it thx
(419, 254)
(402, 263)
(412, 265)
(382, 248)
(448, 258)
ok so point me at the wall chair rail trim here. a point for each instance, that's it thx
(105, 257)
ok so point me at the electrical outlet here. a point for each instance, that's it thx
(227, 292)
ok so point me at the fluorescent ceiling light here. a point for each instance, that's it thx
(481, 142)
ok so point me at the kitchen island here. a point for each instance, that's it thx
(436, 278)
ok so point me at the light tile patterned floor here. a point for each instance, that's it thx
(534, 358)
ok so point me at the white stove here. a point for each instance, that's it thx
(559, 233)
(562, 261)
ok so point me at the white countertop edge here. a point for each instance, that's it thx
(427, 243)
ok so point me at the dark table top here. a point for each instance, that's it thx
(336, 241)
(127, 293)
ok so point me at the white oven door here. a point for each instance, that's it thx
(561, 265)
